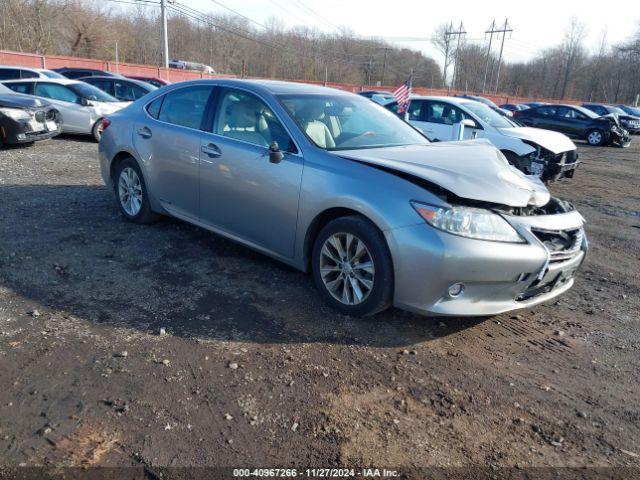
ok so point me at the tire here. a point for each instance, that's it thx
(96, 131)
(128, 183)
(595, 137)
(373, 285)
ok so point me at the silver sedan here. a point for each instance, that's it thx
(331, 183)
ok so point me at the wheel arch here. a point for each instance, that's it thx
(320, 221)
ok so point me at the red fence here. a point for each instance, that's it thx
(176, 75)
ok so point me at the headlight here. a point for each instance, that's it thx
(468, 222)
(15, 113)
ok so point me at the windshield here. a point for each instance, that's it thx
(90, 92)
(617, 110)
(51, 74)
(586, 111)
(345, 122)
(632, 110)
(487, 115)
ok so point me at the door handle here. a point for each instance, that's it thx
(211, 150)
(144, 132)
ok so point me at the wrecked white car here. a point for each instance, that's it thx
(546, 154)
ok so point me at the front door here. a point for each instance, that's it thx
(76, 118)
(241, 192)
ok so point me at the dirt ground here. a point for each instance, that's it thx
(253, 370)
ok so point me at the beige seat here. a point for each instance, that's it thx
(243, 123)
(315, 129)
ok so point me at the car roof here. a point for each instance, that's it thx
(107, 77)
(274, 87)
(18, 67)
(456, 100)
(61, 81)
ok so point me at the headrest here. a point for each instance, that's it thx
(243, 114)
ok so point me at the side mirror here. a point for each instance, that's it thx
(84, 102)
(467, 122)
(275, 154)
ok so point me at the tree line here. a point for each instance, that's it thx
(239, 45)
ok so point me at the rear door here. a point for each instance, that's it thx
(168, 142)
(75, 117)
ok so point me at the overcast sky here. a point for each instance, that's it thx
(536, 24)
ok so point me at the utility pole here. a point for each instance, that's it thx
(447, 41)
(504, 31)
(165, 36)
(384, 65)
(459, 33)
(491, 31)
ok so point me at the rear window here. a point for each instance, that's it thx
(153, 108)
(185, 106)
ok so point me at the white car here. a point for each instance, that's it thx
(549, 155)
(10, 72)
(81, 106)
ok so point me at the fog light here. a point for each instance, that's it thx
(455, 290)
(22, 136)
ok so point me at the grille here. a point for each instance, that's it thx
(562, 244)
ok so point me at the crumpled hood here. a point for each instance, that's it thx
(553, 141)
(474, 169)
(16, 100)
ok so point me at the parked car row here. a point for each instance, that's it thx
(81, 97)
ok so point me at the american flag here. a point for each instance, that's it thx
(402, 94)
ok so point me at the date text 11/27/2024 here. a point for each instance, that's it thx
(315, 472)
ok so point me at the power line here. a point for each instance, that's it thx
(239, 14)
(207, 19)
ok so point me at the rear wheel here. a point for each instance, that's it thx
(352, 267)
(595, 137)
(131, 193)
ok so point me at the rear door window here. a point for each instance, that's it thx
(185, 106)
(547, 111)
(21, 87)
(104, 85)
(9, 73)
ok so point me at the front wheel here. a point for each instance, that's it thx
(595, 138)
(352, 266)
(131, 193)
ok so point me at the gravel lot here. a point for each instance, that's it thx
(254, 370)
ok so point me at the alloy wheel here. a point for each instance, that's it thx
(346, 268)
(595, 138)
(130, 191)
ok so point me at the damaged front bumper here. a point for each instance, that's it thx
(41, 127)
(552, 167)
(491, 277)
